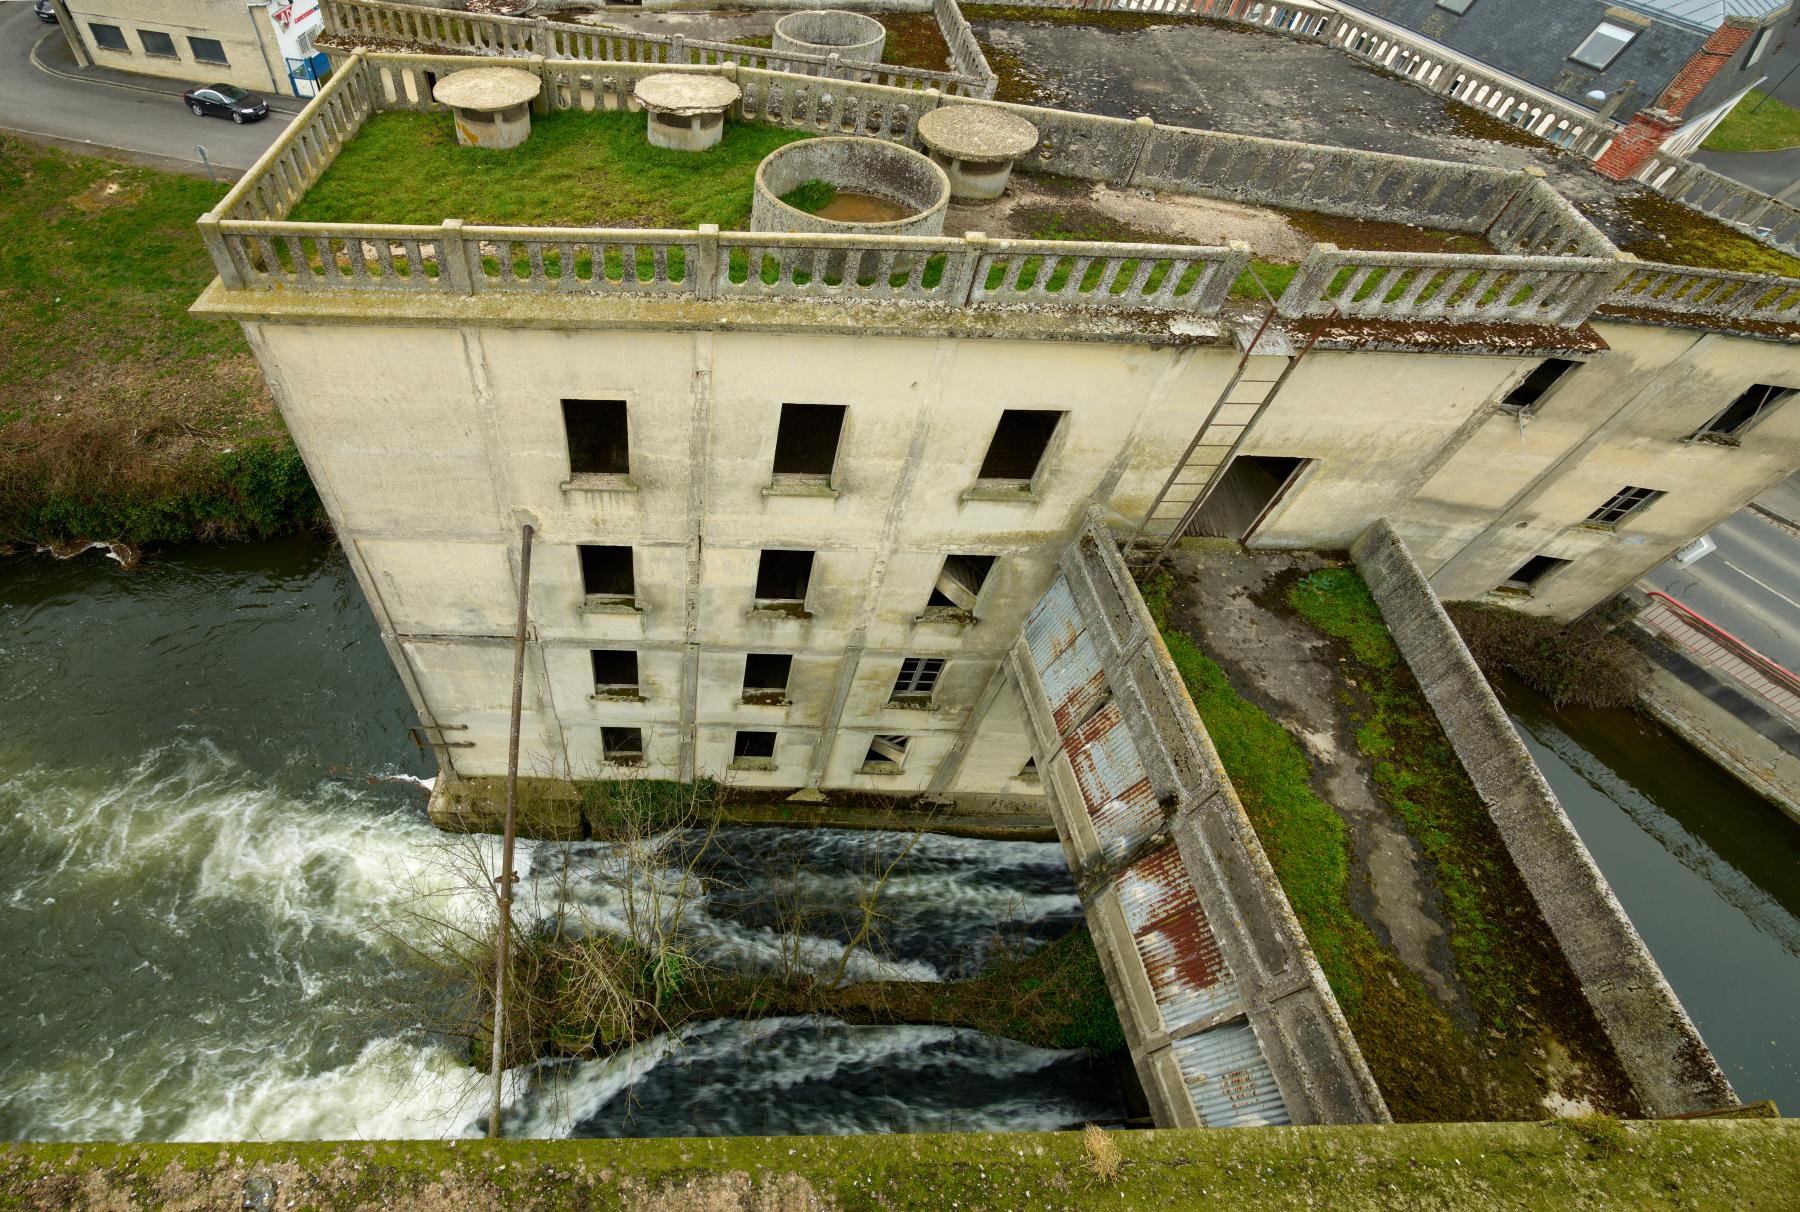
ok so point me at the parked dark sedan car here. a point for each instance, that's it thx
(226, 101)
(45, 10)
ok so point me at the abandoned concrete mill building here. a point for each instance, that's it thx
(795, 494)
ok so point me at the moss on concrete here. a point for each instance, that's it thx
(1519, 985)
(1719, 1164)
(1669, 231)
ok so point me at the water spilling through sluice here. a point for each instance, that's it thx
(214, 858)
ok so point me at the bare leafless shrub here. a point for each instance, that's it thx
(1572, 664)
(1102, 1155)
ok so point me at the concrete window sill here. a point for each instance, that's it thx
(622, 695)
(879, 768)
(761, 764)
(955, 616)
(596, 482)
(1013, 492)
(766, 698)
(788, 484)
(594, 604)
(1508, 591)
(779, 610)
(626, 762)
(1599, 527)
(912, 702)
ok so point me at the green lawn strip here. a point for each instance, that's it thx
(1426, 1068)
(124, 417)
(1573, 1164)
(577, 170)
(1517, 980)
(1758, 123)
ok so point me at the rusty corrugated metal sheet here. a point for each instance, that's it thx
(1116, 791)
(1181, 956)
(1228, 1078)
(1065, 657)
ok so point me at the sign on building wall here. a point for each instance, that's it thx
(1227, 1014)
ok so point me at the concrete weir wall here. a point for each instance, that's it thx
(1228, 1017)
(1656, 1042)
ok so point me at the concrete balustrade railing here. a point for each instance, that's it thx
(1559, 291)
(1554, 269)
(486, 34)
(1698, 187)
(1682, 290)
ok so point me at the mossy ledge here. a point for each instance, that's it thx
(1579, 1163)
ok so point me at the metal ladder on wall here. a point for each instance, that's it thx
(1269, 358)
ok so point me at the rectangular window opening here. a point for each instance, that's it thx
(1030, 770)
(782, 577)
(622, 746)
(606, 572)
(157, 43)
(1529, 575)
(1603, 45)
(806, 441)
(1019, 443)
(615, 672)
(886, 755)
(1754, 404)
(766, 676)
(1531, 389)
(753, 745)
(598, 439)
(959, 583)
(208, 50)
(1622, 505)
(108, 37)
(918, 679)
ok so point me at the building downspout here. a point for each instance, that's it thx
(262, 48)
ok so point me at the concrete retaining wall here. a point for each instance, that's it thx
(1656, 1042)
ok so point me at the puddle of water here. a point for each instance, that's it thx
(862, 208)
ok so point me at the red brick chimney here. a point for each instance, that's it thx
(1645, 133)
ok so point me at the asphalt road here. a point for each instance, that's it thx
(1750, 586)
(143, 119)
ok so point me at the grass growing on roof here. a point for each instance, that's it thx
(576, 170)
(1760, 122)
(1672, 232)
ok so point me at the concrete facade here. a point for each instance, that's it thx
(432, 441)
(247, 37)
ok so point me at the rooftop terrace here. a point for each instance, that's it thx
(1116, 212)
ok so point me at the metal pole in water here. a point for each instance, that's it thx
(503, 894)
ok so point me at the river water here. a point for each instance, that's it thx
(213, 854)
(212, 843)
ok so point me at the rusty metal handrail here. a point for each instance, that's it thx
(1769, 667)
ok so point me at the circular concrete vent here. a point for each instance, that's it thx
(852, 37)
(881, 189)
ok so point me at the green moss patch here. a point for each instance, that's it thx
(1653, 1166)
(1759, 123)
(124, 417)
(1669, 231)
(576, 170)
(914, 40)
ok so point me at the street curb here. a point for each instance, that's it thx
(285, 105)
(1788, 524)
(124, 155)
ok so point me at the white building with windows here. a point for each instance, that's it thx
(262, 45)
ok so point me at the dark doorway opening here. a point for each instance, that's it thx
(1250, 487)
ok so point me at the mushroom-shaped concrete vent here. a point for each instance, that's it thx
(686, 110)
(492, 105)
(976, 145)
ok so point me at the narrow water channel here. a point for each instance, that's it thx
(1709, 873)
(211, 831)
